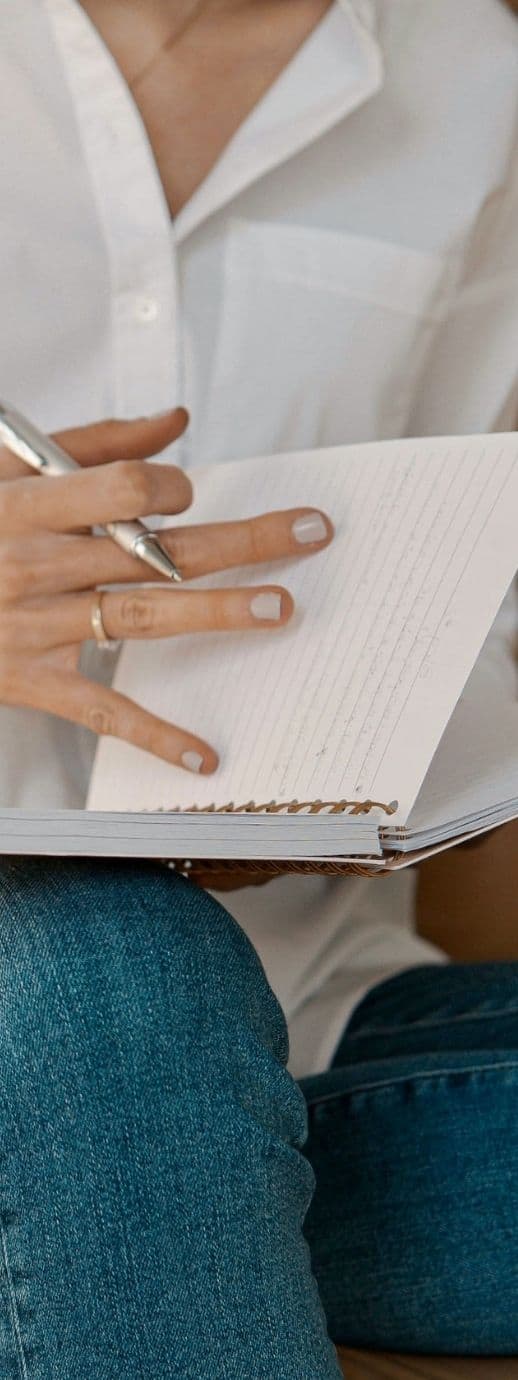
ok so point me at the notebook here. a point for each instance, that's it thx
(361, 736)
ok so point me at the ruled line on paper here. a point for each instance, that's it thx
(419, 666)
(336, 700)
(418, 577)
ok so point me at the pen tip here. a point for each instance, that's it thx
(153, 552)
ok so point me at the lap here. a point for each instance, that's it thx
(150, 1135)
(413, 1138)
(461, 1006)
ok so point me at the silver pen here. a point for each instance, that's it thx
(39, 451)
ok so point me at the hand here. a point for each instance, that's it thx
(50, 567)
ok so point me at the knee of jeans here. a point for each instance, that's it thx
(132, 936)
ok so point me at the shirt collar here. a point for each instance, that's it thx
(336, 70)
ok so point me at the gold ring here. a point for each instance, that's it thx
(107, 644)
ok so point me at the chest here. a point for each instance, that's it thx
(295, 310)
(193, 93)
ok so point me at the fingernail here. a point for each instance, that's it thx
(310, 527)
(267, 607)
(192, 760)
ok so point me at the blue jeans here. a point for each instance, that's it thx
(413, 1136)
(155, 1171)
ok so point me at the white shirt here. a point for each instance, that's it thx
(347, 271)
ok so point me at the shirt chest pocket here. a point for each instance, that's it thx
(322, 338)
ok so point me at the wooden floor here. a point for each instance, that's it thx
(359, 1365)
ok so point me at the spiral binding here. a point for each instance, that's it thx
(291, 807)
(208, 871)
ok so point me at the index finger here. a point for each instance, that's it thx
(100, 443)
(123, 491)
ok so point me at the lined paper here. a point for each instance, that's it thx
(475, 768)
(351, 699)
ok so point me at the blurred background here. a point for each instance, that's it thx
(458, 892)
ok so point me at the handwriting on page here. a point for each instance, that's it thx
(409, 566)
(352, 698)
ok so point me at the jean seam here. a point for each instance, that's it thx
(432, 1025)
(417, 1077)
(15, 1320)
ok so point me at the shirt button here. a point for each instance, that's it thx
(146, 309)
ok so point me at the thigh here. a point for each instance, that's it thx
(413, 1227)
(455, 1006)
(152, 1186)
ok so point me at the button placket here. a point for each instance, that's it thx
(134, 216)
(147, 309)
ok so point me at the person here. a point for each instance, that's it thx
(237, 1125)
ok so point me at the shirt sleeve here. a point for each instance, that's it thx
(470, 380)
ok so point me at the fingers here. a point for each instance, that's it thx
(67, 563)
(202, 550)
(104, 711)
(126, 489)
(10, 466)
(106, 441)
(152, 613)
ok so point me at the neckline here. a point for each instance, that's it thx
(336, 68)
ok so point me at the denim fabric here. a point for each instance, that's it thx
(413, 1136)
(152, 1185)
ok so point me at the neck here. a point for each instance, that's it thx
(146, 26)
(138, 29)
(172, 14)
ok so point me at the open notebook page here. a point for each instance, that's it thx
(475, 768)
(351, 699)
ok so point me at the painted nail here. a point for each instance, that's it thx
(192, 760)
(167, 412)
(266, 607)
(310, 527)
